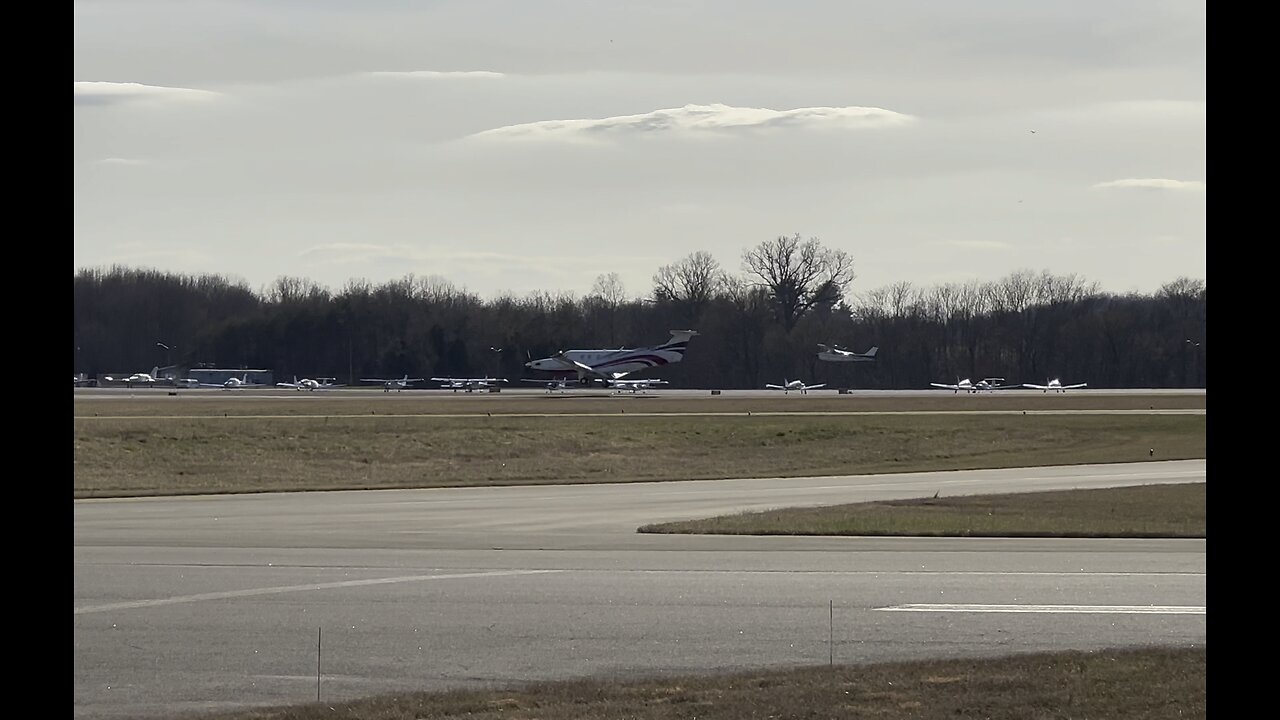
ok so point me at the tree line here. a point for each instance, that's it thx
(757, 325)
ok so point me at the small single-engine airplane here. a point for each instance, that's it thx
(1054, 385)
(137, 378)
(609, 365)
(467, 384)
(233, 383)
(983, 385)
(834, 353)
(798, 385)
(397, 383)
(308, 383)
(551, 385)
(634, 386)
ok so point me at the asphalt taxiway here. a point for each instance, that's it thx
(213, 602)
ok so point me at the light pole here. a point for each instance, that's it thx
(167, 360)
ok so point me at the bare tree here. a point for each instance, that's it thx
(691, 282)
(607, 293)
(609, 289)
(799, 274)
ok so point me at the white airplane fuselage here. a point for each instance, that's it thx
(616, 363)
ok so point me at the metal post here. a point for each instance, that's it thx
(317, 664)
(831, 633)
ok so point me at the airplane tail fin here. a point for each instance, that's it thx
(872, 352)
(678, 335)
(823, 348)
(155, 371)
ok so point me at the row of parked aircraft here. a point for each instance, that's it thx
(606, 367)
(992, 384)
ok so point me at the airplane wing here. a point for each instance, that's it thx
(776, 387)
(945, 386)
(1073, 387)
(1033, 386)
(815, 387)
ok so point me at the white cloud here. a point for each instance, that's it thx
(121, 161)
(978, 244)
(438, 74)
(701, 118)
(112, 93)
(1154, 184)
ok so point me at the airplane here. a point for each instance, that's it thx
(987, 384)
(609, 365)
(638, 385)
(306, 383)
(397, 383)
(551, 385)
(137, 378)
(231, 383)
(1054, 385)
(835, 353)
(788, 386)
(468, 384)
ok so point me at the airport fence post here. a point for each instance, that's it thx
(831, 633)
(317, 664)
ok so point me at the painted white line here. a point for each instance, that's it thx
(1085, 609)
(295, 588)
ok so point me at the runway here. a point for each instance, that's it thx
(366, 393)
(199, 603)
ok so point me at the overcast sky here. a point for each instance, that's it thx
(510, 146)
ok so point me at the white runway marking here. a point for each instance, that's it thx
(295, 588)
(1083, 609)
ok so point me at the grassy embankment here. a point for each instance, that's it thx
(155, 447)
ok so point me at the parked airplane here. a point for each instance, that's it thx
(837, 354)
(137, 378)
(788, 386)
(397, 383)
(468, 384)
(638, 385)
(985, 384)
(232, 383)
(306, 383)
(613, 364)
(551, 385)
(1054, 385)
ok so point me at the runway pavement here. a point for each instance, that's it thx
(198, 603)
(366, 392)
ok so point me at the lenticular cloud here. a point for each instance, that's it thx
(112, 93)
(1153, 184)
(693, 119)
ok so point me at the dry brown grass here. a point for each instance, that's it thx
(1175, 510)
(130, 455)
(1122, 684)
